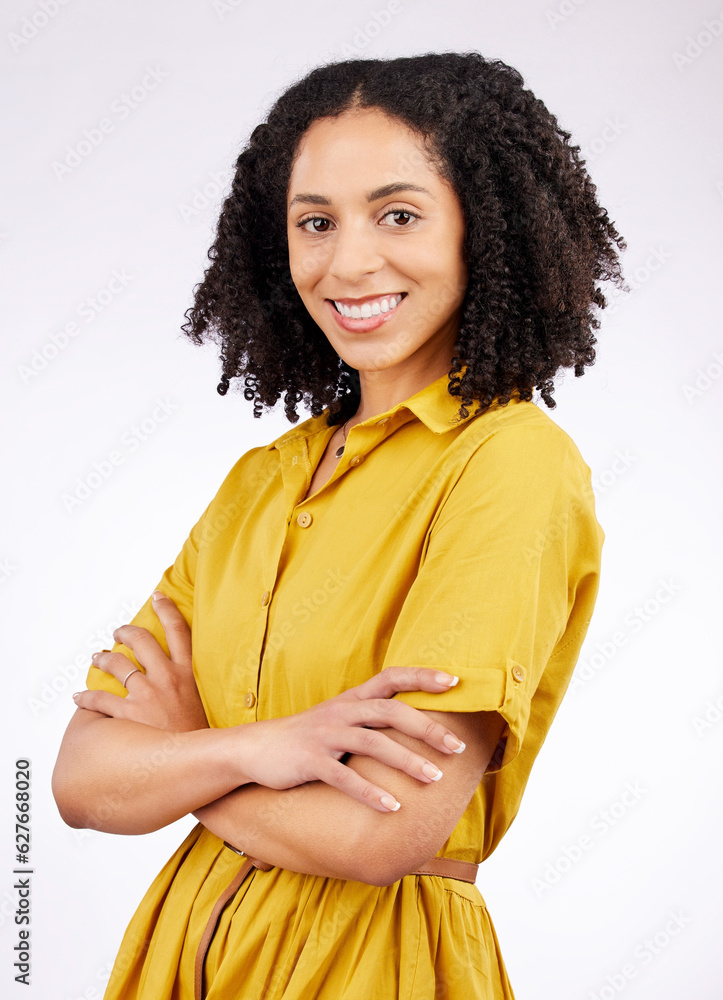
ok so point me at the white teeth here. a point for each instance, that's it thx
(369, 308)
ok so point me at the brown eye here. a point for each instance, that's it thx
(303, 224)
(407, 217)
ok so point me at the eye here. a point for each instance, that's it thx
(303, 223)
(406, 219)
(403, 212)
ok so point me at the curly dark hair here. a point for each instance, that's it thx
(536, 238)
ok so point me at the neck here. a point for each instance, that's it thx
(381, 390)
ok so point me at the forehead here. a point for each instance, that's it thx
(365, 147)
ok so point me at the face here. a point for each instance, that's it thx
(376, 245)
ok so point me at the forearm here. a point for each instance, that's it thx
(312, 828)
(317, 829)
(125, 777)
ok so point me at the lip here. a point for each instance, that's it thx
(371, 322)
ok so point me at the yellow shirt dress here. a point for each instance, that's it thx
(472, 546)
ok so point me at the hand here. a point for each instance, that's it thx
(294, 749)
(165, 696)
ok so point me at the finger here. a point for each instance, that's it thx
(118, 665)
(392, 679)
(178, 634)
(101, 701)
(144, 645)
(333, 773)
(385, 713)
(388, 751)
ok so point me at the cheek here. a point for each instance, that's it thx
(451, 266)
(306, 265)
(431, 270)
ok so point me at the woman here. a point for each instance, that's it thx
(410, 246)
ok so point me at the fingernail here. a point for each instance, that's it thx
(390, 803)
(452, 743)
(431, 771)
(449, 679)
(94, 657)
(76, 696)
(157, 594)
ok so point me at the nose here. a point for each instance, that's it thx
(355, 254)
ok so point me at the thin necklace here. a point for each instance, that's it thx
(340, 450)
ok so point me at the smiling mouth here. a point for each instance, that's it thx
(372, 307)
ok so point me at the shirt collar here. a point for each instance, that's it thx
(433, 405)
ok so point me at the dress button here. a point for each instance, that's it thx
(249, 699)
(518, 673)
(357, 460)
(265, 598)
(304, 519)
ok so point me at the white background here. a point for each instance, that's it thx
(572, 924)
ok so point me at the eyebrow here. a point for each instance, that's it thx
(375, 195)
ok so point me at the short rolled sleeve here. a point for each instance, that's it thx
(509, 574)
(177, 583)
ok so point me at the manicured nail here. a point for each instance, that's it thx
(157, 594)
(431, 771)
(452, 743)
(449, 679)
(388, 802)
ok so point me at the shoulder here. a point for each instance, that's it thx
(259, 466)
(522, 441)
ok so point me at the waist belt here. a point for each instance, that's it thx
(465, 871)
